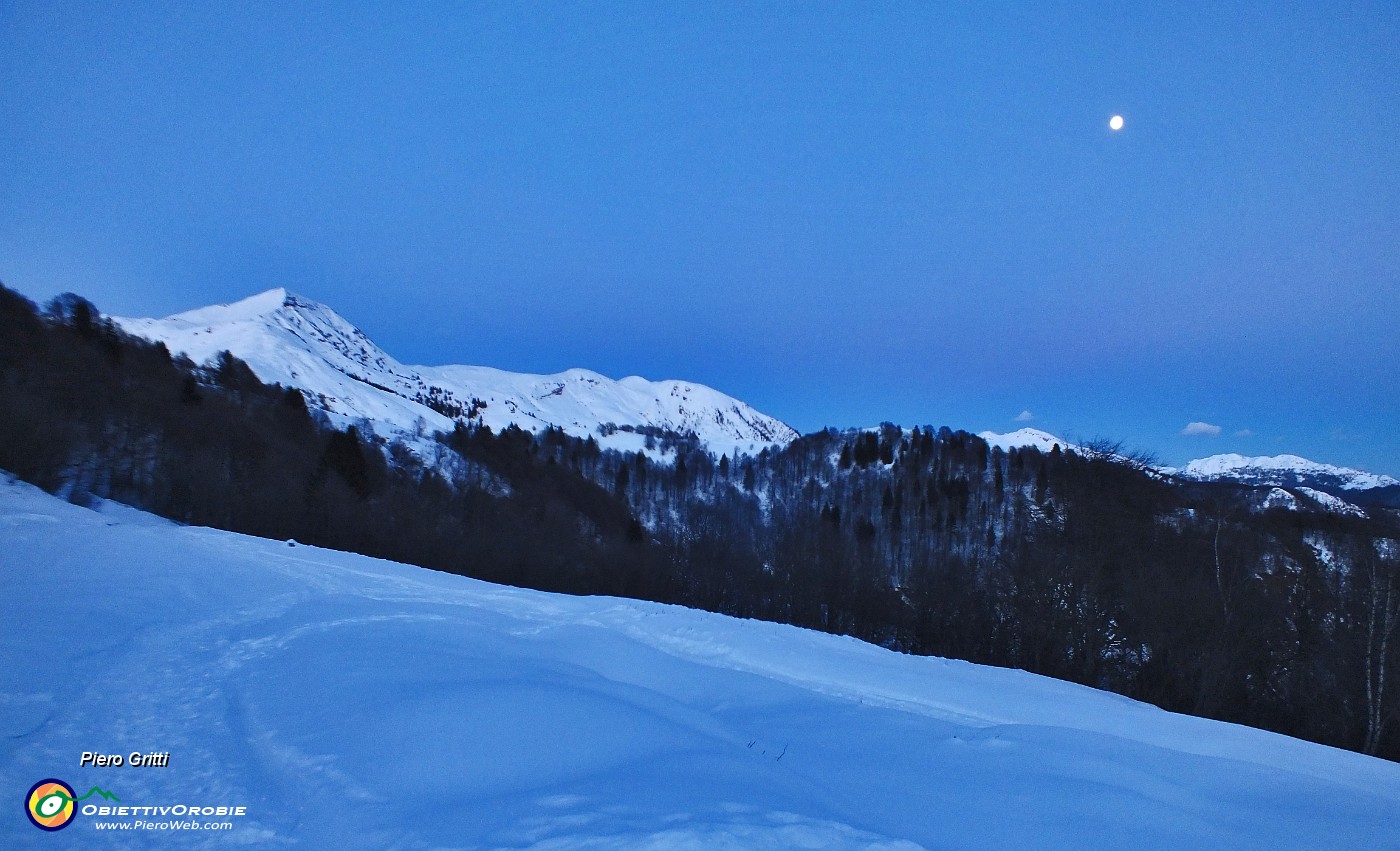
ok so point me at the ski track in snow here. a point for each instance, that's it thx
(354, 703)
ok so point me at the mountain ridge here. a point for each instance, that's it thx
(1280, 470)
(1275, 471)
(289, 339)
(292, 340)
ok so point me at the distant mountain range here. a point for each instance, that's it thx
(291, 340)
(1283, 471)
(1328, 487)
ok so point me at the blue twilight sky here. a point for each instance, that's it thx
(842, 213)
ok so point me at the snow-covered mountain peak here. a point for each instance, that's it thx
(1025, 437)
(1286, 470)
(276, 332)
(250, 308)
(289, 339)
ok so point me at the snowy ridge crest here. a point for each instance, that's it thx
(291, 340)
(1027, 437)
(1282, 470)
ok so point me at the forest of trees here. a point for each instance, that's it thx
(86, 410)
(1086, 566)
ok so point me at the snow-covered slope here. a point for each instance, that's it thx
(1331, 504)
(293, 341)
(348, 703)
(1279, 498)
(1282, 470)
(1021, 438)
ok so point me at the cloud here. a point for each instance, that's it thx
(1244, 432)
(1025, 417)
(1199, 429)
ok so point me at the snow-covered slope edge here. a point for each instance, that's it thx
(291, 340)
(355, 703)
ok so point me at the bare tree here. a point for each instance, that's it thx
(1381, 610)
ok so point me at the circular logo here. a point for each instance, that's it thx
(50, 804)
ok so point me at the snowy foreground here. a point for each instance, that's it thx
(354, 703)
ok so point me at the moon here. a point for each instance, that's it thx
(1115, 123)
